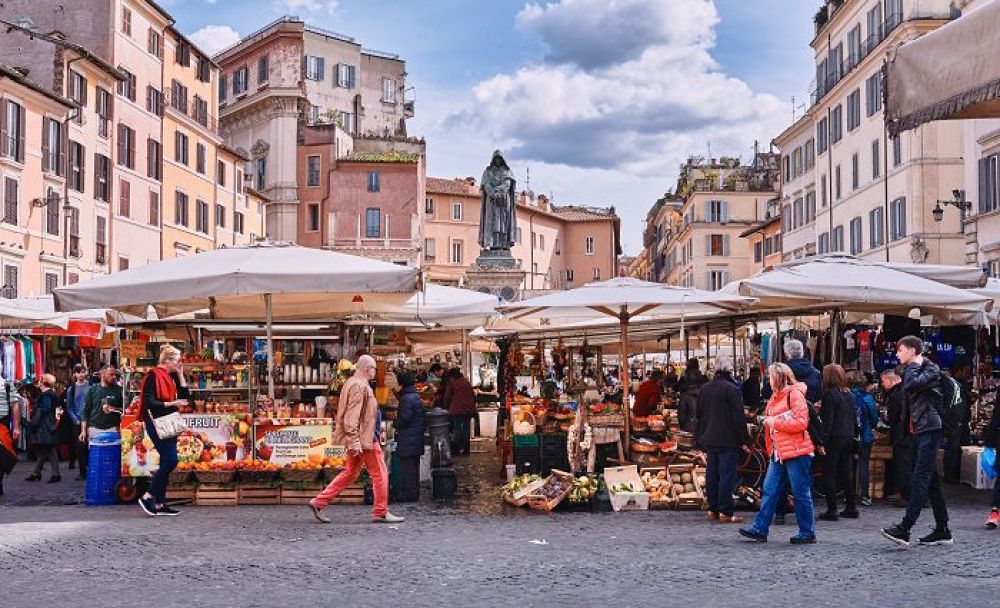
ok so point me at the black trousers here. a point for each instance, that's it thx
(78, 451)
(838, 472)
(409, 479)
(902, 467)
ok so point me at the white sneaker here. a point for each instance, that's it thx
(388, 518)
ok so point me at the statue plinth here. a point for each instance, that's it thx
(496, 272)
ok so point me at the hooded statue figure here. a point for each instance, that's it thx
(498, 212)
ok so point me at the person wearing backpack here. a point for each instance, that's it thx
(957, 394)
(867, 419)
(839, 428)
(923, 401)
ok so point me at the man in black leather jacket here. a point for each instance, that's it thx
(923, 400)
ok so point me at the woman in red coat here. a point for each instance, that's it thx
(460, 401)
(790, 452)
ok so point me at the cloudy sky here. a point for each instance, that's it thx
(600, 99)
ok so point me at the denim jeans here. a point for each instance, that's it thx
(925, 482)
(797, 471)
(864, 470)
(460, 438)
(167, 449)
(720, 479)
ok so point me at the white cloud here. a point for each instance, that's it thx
(627, 90)
(214, 38)
(306, 6)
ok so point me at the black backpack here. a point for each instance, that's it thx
(815, 429)
(951, 403)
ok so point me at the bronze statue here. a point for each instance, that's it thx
(498, 212)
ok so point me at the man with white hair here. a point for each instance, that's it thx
(795, 357)
(721, 430)
(357, 427)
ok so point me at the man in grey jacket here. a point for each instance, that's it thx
(923, 400)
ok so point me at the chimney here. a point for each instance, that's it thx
(471, 181)
(543, 203)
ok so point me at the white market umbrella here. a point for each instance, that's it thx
(849, 284)
(270, 280)
(624, 299)
(436, 306)
(16, 314)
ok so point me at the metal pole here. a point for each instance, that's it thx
(732, 335)
(270, 345)
(624, 376)
(708, 349)
(834, 330)
(779, 356)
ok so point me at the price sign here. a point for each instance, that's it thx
(132, 349)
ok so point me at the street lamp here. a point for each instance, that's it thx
(959, 202)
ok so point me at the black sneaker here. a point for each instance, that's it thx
(828, 516)
(802, 540)
(850, 514)
(54, 479)
(32, 478)
(897, 535)
(753, 535)
(148, 505)
(940, 536)
(167, 512)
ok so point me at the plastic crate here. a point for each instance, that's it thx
(525, 441)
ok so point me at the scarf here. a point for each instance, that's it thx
(166, 390)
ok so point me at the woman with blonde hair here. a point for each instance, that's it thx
(164, 391)
(42, 427)
(786, 420)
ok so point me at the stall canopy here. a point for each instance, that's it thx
(623, 299)
(950, 73)
(303, 283)
(849, 284)
(435, 306)
(962, 277)
(39, 315)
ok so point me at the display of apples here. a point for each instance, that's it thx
(257, 465)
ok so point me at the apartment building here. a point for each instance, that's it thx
(79, 212)
(982, 185)
(848, 185)
(289, 76)
(558, 247)
(765, 239)
(33, 170)
(662, 222)
(722, 199)
(190, 157)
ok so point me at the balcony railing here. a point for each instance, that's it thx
(182, 105)
(820, 88)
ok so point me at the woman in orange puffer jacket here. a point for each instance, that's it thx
(786, 420)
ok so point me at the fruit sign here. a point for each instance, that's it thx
(294, 440)
(209, 438)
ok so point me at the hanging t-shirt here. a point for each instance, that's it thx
(19, 371)
(944, 351)
(39, 357)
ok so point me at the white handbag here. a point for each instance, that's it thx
(169, 426)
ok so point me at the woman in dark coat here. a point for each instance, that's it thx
(688, 386)
(409, 427)
(839, 425)
(460, 401)
(44, 430)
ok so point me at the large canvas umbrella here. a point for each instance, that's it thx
(436, 306)
(624, 299)
(274, 281)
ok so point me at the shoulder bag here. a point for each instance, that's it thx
(168, 426)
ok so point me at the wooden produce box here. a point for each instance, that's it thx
(216, 495)
(689, 502)
(301, 494)
(259, 494)
(667, 502)
(181, 493)
(520, 498)
(626, 501)
(541, 503)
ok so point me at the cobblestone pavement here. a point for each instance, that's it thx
(472, 552)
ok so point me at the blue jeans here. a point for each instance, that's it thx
(720, 479)
(926, 482)
(167, 449)
(797, 472)
(460, 439)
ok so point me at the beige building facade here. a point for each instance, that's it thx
(873, 196)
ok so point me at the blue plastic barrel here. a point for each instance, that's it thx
(103, 469)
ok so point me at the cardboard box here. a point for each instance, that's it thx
(972, 469)
(626, 501)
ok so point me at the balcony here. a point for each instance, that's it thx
(835, 73)
(181, 105)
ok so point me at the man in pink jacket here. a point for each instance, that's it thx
(357, 427)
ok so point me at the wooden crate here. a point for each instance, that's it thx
(265, 494)
(541, 503)
(690, 504)
(181, 493)
(216, 495)
(301, 494)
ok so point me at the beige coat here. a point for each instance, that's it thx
(356, 415)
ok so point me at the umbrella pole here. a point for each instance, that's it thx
(624, 376)
(834, 330)
(268, 318)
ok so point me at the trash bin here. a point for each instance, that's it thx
(103, 469)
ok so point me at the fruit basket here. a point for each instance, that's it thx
(517, 490)
(215, 476)
(644, 446)
(178, 476)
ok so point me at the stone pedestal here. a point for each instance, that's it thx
(496, 272)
